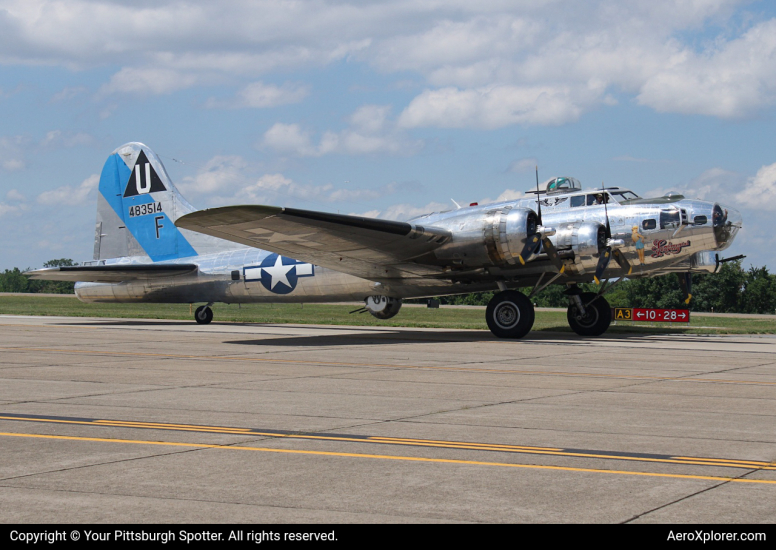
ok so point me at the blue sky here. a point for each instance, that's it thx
(385, 109)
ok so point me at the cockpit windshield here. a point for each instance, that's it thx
(622, 196)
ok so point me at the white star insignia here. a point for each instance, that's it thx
(279, 272)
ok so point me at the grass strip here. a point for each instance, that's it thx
(339, 314)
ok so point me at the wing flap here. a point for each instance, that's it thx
(365, 247)
(115, 273)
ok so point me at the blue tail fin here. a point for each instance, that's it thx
(137, 206)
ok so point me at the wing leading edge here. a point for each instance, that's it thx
(366, 247)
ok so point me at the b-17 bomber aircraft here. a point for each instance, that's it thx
(151, 245)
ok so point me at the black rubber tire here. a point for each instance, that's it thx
(510, 314)
(598, 316)
(203, 315)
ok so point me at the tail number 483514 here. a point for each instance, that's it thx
(144, 209)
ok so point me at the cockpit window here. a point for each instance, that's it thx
(577, 200)
(621, 196)
(597, 198)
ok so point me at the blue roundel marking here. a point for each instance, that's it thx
(278, 274)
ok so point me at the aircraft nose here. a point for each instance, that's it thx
(726, 221)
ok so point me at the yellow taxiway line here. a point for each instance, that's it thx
(462, 445)
(391, 457)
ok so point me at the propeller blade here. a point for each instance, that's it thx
(530, 248)
(538, 202)
(606, 211)
(603, 261)
(620, 258)
(552, 254)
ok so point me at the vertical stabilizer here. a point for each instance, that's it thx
(137, 206)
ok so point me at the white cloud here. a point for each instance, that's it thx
(68, 93)
(546, 61)
(271, 187)
(11, 152)
(369, 131)
(11, 209)
(71, 196)
(759, 193)
(221, 173)
(57, 138)
(406, 211)
(523, 165)
(150, 81)
(290, 138)
(231, 179)
(490, 108)
(259, 95)
(732, 80)
(14, 195)
(507, 195)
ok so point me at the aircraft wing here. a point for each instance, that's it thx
(366, 247)
(115, 273)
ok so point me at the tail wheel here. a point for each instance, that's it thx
(510, 314)
(596, 319)
(203, 315)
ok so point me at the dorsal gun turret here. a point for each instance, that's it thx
(562, 185)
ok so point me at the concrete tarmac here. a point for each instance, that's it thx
(131, 421)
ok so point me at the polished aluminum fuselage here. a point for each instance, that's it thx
(677, 242)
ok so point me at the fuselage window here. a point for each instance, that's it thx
(669, 219)
(648, 224)
(578, 200)
(701, 220)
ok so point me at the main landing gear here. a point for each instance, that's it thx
(510, 314)
(589, 314)
(203, 315)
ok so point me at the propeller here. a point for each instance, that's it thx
(608, 251)
(542, 235)
(531, 247)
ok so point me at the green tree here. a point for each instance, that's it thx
(660, 292)
(62, 262)
(759, 294)
(12, 280)
(720, 292)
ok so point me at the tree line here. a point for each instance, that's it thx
(731, 290)
(13, 280)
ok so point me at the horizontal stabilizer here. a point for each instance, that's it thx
(111, 273)
(365, 247)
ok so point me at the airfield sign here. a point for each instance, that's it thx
(651, 315)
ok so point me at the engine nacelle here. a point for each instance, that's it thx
(495, 238)
(382, 307)
(581, 240)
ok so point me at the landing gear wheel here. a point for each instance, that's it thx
(203, 315)
(510, 314)
(596, 319)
